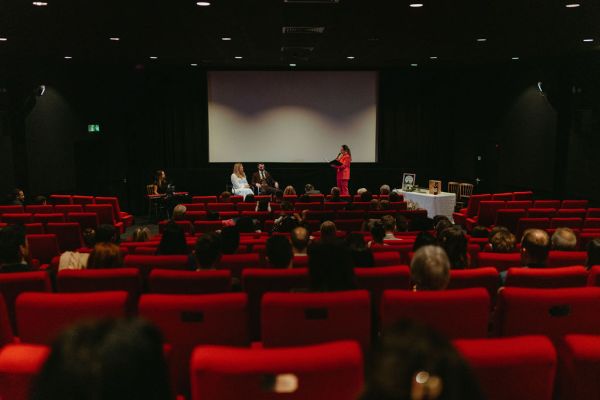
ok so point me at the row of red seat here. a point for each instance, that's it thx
(65, 199)
(494, 213)
(292, 198)
(315, 206)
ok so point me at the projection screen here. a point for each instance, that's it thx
(291, 116)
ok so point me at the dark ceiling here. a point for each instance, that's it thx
(378, 33)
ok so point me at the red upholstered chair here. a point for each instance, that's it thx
(207, 226)
(579, 367)
(105, 215)
(68, 208)
(526, 195)
(45, 218)
(501, 261)
(260, 215)
(43, 247)
(35, 228)
(21, 218)
(386, 258)
(546, 204)
(541, 212)
(237, 262)
(83, 199)
(84, 219)
(14, 209)
(440, 309)
(319, 372)
(13, 284)
(573, 223)
(503, 196)
(296, 319)
(512, 368)
(348, 225)
(6, 331)
(195, 216)
(220, 207)
(166, 281)
(40, 209)
(550, 312)
(334, 206)
(40, 316)
(591, 223)
(378, 279)
(571, 212)
(531, 223)
(547, 277)
(485, 277)
(472, 209)
(67, 233)
(185, 225)
(204, 199)
(520, 204)
(594, 276)
(195, 206)
(120, 216)
(60, 199)
(574, 204)
(566, 258)
(148, 262)
(350, 215)
(19, 364)
(245, 206)
(234, 199)
(509, 218)
(189, 320)
(100, 280)
(258, 281)
(593, 213)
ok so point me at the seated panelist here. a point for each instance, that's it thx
(261, 178)
(239, 182)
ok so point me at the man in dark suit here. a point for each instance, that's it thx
(263, 180)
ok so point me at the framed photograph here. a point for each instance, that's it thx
(435, 187)
(409, 181)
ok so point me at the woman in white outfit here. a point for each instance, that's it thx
(239, 182)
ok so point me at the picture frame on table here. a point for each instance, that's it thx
(409, 181)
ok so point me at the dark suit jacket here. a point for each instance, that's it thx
(268, 179)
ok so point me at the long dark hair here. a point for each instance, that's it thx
(347, 149)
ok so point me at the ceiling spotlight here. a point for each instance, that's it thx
(115, 39)
(414, 65)
(482, 39)
(572, 5)
(416, 5)
(203, 3)
(433, 57)
(193, 65)
(515, 58)
(67, 57)
(589, 40)
(292, 65)
(226, 39)
(350, 57)
(40, 3)
(153, 58)
(238, 57)
(40, 90)
(3, 39)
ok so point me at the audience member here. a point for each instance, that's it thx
(361, 254)
(249, 198)
(366, 196)
(454, 241)
(89, 237)
(304, 198)
(286, 221)
(105, 255)
(230, 240)
(300, 239)
(335, 195)
(593, 253)
(246, 225)
(278, 197)
(384, 190)
(563, 239)
(289, 191)
(328, 231)
(503, 242)
(436, 219)
(18, 197)
(479, 231)
(420, 223)
(207, 250)
(40, 200)
(309, 188)
(430, 269)
(179, 212)
(76, 259)
(360, 191)
(389, 226)
(105, 360)
(401, 223)
(374, 205)
(535, 246)
(384, 205)
(279, 252)
(377, 234)
(330, 267)
(141, 234)
(172, 241)
(263, 205)
(415, 362)
(424, 239)
(225, 197)
(394, 197)
(107, 233)
(13, 249)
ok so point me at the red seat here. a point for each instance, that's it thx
(45, 218)
(472, 209)
(320, 372)
(19, 365)
(308, 206)
(185, 225)
(260, 215)
(500, 261)
(594, 277)
(237, 262)
(579, 367)
(523, 204)
(228, 214)
(573, 223)
(120, 216)
(566, 258)
(512, 368)
(43, 247)
(531, 223)
(76, 199)
(550, 312)
(571, 213)
(21, 218)
(334, 206)
(40, 316)
(378, 279)
(35, 228)
(195, 206)
(350, 214)
(509, 218)
(60, 199)
(204, 199)
(503, 196)
(84, 219)
(258, 281)
(15, 209)
(541, 212)
(166, 281)
(234, 199)
(207, 226)
(6, 330)
(189, 320)
(485, 277)
(546, 204)
(593, 213)
(574, 204)
(68, 208)
(246, 206)
(591, 223)
(440, 309)
(101, 280)
(67, 233)
(547, 277)
(40, 209)
(148, 262)
(526, 195)
(13, 284)
(361, 205)
(220, 206)
(386, 258)
(297, 319)
(105, 215)
(195, 216)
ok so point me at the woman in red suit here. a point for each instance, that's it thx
(343, 170)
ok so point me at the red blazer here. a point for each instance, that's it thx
(343, 171)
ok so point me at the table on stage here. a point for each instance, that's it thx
(438, 204)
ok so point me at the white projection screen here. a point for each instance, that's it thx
(291, 116)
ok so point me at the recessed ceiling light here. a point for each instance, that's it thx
(482, 39)
(193, 65)
(414, 65)
(515, 58)
(40, 3)
(572, 5)
(226, 38)
(292, 65)
(588, 40)
(416, 5)
(433, 57)
(153, 58)
(238, 57)
(3, 39)
(350, 57)
(68, 57)
(203, 3)
(115, 39)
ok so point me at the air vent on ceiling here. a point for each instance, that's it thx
(297, 49)
(312, 1)
(302, 29)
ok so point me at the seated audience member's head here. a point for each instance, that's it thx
(335, 192)
(309, 187)
(424, 239)
(480, 232)
(328, 231)
(389, 224)
(401, 223)
(330, 267)
(289, 191)
(249, 198)
(412, 361)
(497, 229)
(18, 197)
(299, 238)
(263, 205)
(360, 191)
(105, 360)
(105, 255)
(593, 253)
(375, 204)
(503, 242)
(245, 225)
(454, 241)
(172, 241)
(89, 237)
(394, 197)
(107, 233)
(384, 190)
(230, 239)
(225, 197)
(535, 246)
(366, 196)
(361, 254)
(141, 234)
(40, 200)
(179, 212)
(13, 245)
(208, 250)
(430, 269)
(420, 223)
(377, 233)
(441, 226)
(384, 205)
(279, 252)
(564, 239)
(439, 218)
(287, 206)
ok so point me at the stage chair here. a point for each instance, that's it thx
(43, 247)
(19, 365)
(67, 233)
(166, 281)
(547, 277)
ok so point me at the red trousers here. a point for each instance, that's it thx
(343, 185)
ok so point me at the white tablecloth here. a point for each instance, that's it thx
(439, 204)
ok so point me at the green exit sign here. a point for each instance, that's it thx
(94, 128)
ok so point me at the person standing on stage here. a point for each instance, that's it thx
(343, 170)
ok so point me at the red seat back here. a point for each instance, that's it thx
(591, 223)
(84, 219)
(594, 277)
(207, 226)
(473, 206)
(593, 213)
(19, 364)
(348, 225)
(14, 209)
(485, 277)
(503, 196)
(220, 206)
(100, 280)
(43, 247)
(580, 367)
(237, 262)
(20, 218)
(13, 284)
(378, 279)
(166, 281)
(571, 212)
(386, 258)
(67, 208)
(566, 258)
(546, 204)
(539, 212)
(501, 261)
(547, 277)
(82, 199)
(322, 372)
(527, 195)
(440, 309)
(40, 209)
(204, 199)
(573, 223)
(60, 199)
(114, 202)
(523, 204)
(67, 233)
(49, 217)
(574, 204)
(104, 211)
(148, 262)
(509, 218)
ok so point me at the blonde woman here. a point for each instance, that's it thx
(239, 182)
(289, 191)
